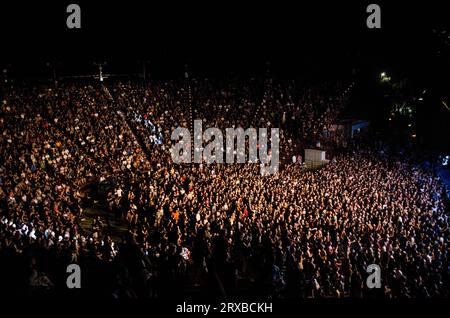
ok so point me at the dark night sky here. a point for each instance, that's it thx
(219, 34)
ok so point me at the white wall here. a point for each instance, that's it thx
(314, 155)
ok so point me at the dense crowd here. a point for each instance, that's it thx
(207, 230)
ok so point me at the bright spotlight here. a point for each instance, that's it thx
(384, 77)
(445, 160)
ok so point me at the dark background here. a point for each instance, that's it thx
(217, 34)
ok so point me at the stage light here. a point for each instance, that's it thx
(384, 77)
(445, 160)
